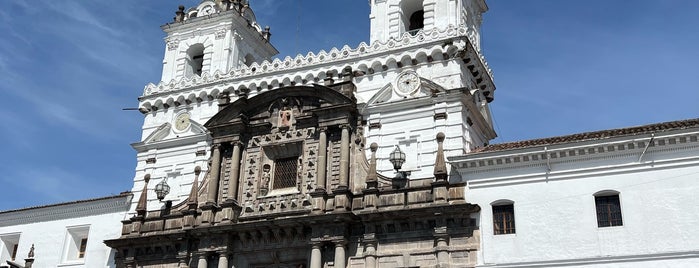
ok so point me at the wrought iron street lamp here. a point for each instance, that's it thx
(397, 158)
(162, 189)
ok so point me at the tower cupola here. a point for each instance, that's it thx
(393, 18)
(214, 36)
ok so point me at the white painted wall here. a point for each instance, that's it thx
(555, 214)
(47, 228)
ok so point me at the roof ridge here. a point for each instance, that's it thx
(591, 135)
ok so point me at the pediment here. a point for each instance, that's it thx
(166, 132)
(303, 99)
(388, 93)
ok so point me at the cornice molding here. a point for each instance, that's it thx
(452, 42)
(505, 165)
(576, 150)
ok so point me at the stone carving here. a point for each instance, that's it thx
(172, 43)
(264, 183)
(220, 33)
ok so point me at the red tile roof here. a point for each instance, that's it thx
(595, 135)
(122, 194)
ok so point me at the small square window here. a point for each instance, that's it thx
(608, 211)
(504, 219)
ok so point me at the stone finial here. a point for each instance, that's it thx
(143, 200)
(440, 165)
(179, 14)
(266, 33)
(371, 179)
(29, 261)
(193, 201)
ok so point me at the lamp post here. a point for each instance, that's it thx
(397, 158)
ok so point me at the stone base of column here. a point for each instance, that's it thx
(318, 198)
(440, 191)
(342, 199)
(208, 212)
(230, 211)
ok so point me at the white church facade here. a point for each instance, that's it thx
(379, 155)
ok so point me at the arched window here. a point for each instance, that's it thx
(413, 16)
(249, 60)
(503, 217)
(195, 60)
(417, 21)
(608, 207)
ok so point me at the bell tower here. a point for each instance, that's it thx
(393, 18)
(215, 36)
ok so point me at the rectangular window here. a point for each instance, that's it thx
(75, 245)
(504, 219)
(608, 211)
(83, 245)
(9, 244)
(285, 172)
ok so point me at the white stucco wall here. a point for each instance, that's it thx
(47, 228)
(555, 215)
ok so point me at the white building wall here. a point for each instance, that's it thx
(47, 229)
(555, 216)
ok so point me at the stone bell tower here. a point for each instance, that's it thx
(392, 18)
(215, 36)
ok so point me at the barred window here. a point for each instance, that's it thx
(504, 219)
(285, 173)
(608, 210)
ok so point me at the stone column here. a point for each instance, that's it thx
(344, 156)
(222, 260)
(369, 251)
(202, 263)
(322, 158)
(215, 174)
(235, 172)
(316, 260)
(340, 260)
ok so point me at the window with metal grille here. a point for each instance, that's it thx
(608, 210)
(285, 172)
(504, 219)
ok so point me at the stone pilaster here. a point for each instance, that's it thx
(441, 239)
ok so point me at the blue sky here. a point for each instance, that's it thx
(67, 68)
